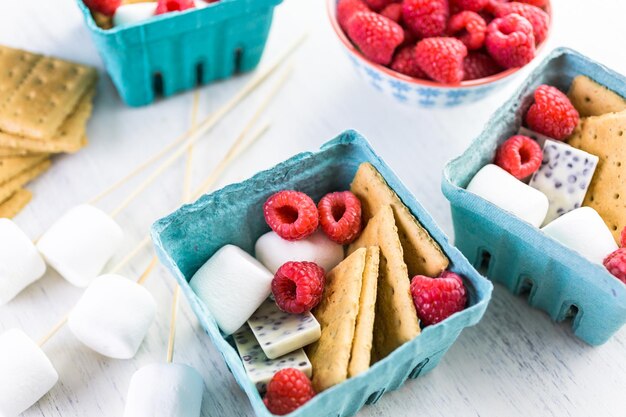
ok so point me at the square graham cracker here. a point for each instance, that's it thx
(593, 99)
(15, 165)
(9, 187)
(15, 203)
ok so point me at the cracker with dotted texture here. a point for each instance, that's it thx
(11, 186)
(15, 203)
(6, 151)
(15, 165)
(45, 98)
(593, 99)
(422, 255)
(605, 136)
(15, 65)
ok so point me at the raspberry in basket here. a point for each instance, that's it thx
(346, 9)
(426, 18)
(291, 214)
(552, 114)
(469, 27)
(340, 216)
(288, 390)
(376, 36)
(166, 6)
(520, 156)
(510, 41)
(298, 286)
(479, 65)
(436, 299)
(441, 59)
(106, 7)
(539, 19)
(616, 264)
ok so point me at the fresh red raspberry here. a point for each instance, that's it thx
(426, 18)
(479, 65)
(348, 8)
(291, 214)
(520, 156)
(469, 28)
(616, 264)
(471, 5)
(340, 216)
(536, 3)
(298, 286)
(441, 59)
(552, 114)
(166, 6)
(376, 36)
(623, 241)
(405, 63)
(106, 7)
(539, 19)
(377, 5)
(436, 299)
(288, 390)
(393, 12)
(510, 41)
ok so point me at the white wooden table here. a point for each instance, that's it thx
(516, 362)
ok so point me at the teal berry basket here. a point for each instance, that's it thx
(518, 255)
(177, 51)
(185, 239)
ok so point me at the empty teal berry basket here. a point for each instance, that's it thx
(518, 255)
(188, 237)
(177, 51)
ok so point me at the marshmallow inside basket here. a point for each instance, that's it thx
(505, 191)
(232, 285)
(80, 243)
(20, 262)
(26, 373)
(113, 316)
(165, 390)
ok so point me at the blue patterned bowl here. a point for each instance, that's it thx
(414, 91)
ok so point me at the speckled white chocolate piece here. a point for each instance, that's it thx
(541, 139)
(259, 367)
(279, 333)
(564, 177)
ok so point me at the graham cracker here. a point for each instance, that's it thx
(70, 137)
(14, 204)
(15, 65)
(361, 356)
(337, 314)
(593, 99)
(395, 322)
(422, 255)
(12, 166)
(11, 186)
(45, 98)
(605, 136)
(12, 152)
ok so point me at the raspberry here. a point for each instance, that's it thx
(471, 5)
(348, 8)
(479, 65)
(288, 390)
(441, 59)
(426, 18)
(378, 4)
(539, 19)
(291, 214)
(520, 156)
(536, 3)
(393, 12)
(616, 264)
(552, 114)
(436, 299)
(376, 36)
(166, 6)
(510, 41)
(469, 28)
(623, 240)
(106, 7)
(405, 63)
(298, 286)
(340, 216)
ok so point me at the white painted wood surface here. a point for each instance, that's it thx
(516, 362)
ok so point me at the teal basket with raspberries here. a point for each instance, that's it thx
(177, 51)
(233, 215)
(517, 255)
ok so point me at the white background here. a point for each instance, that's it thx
(516, 362)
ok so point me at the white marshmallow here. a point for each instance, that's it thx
(128, 14)
(113, 316)
(80, 243)
(507, 192)
(26, 373)
(20, 262)
(200, 4)
(232, 284)
(584, 231)
(165, 390)
(273, 251)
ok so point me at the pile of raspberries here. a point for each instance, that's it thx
(447, 41)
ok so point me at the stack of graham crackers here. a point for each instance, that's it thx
(44, 107)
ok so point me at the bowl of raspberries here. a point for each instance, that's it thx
(439, 53)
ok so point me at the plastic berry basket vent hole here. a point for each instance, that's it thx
(188, 237)
(177, 51)
(558, 278)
